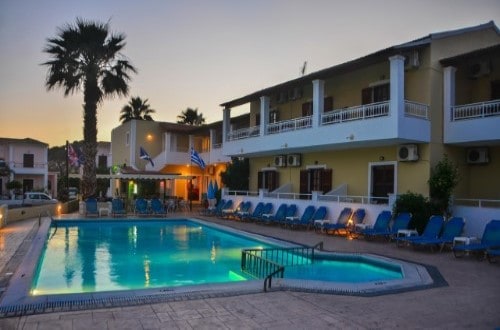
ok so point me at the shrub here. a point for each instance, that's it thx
(418, 205)
(444, 178)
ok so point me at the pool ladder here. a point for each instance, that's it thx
(269, 263)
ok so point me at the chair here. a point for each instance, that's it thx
(244, 210)
(118, 208)
(267, 209)
(381, 225)
(354, 218)
(141, 206)
(452, 228)
(231, 212)
(270, 218)
(157, 207)
(489, 240)
(431, 231)
(325, 225)
(319, 215)
(257, 211)
(492, 253)
(303, 221)
(228, 205)
(290, 213)
(402, 221)
(91, 207)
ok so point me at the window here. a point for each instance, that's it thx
(268, 180)
(273, 116)
(378, 93)
(307, 109)
(315, 179)
(102, 161)
(28, 160)
(328, 104)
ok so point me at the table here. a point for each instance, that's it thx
(103, 210)
(407, 232)
(464, 240)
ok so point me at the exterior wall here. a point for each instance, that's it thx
(351, 167)
(120, 151)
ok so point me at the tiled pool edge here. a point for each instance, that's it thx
(17, 302)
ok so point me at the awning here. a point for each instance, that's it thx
(139, 176)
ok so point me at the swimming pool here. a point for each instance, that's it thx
(22, 296)
(97, 256)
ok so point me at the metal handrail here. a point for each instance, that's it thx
(273, 261)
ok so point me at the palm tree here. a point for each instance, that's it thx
(86, 56)
(191, 117)
(136, 109)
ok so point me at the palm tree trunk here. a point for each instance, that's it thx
(91, 97)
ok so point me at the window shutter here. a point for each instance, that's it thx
(260, 179)
(328, 104)
(326, 180)
(366, 95)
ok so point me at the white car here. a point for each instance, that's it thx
(36, 198)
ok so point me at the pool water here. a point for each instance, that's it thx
(96, 256)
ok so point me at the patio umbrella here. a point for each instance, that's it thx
(216, 187)
(210, 190)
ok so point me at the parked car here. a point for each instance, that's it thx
(36, 198)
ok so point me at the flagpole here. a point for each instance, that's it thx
(67, 166)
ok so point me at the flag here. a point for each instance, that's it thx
(195, 158)
(144, 155)
(74, 156)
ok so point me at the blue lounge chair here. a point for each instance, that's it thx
(266, 209)
(492, 254)
(355, 217)
(291, 210)
(431, 231)
(118, 208)
(244, 210)
(91, 207)
(230, 212)
(402, 221)
(490, 240)
(381, 225)
(304, 221)
(257, 211)
(217, 209)
(228, 205)
(141, 206)
(319, 215)
(452, 228)
(157, 207)
(328, 225)
(269, 218)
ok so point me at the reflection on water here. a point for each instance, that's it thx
(97, 256)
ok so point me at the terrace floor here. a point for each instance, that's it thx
(470, 300)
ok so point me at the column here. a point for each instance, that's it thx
(396, 103)
(226, 122)
(265, 102)
(318, 102)
(448, 93)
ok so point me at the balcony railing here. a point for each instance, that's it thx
(476, 110)
(243, 133)
(289, 125)
(356, 113)
(414, 109)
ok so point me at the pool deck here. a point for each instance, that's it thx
(471, 299)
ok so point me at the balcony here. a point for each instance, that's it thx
(359, 124)
(35, 168)
(473, 123)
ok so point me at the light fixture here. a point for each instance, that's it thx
(149, 137)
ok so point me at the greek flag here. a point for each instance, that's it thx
(144, 155)
(195, 158)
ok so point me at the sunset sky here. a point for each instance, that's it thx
(200, 54)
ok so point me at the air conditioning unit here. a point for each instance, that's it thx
(412, 61)
(293, 160)
(477, 156)
(479, 69)
(280, 161)
(408, 153)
